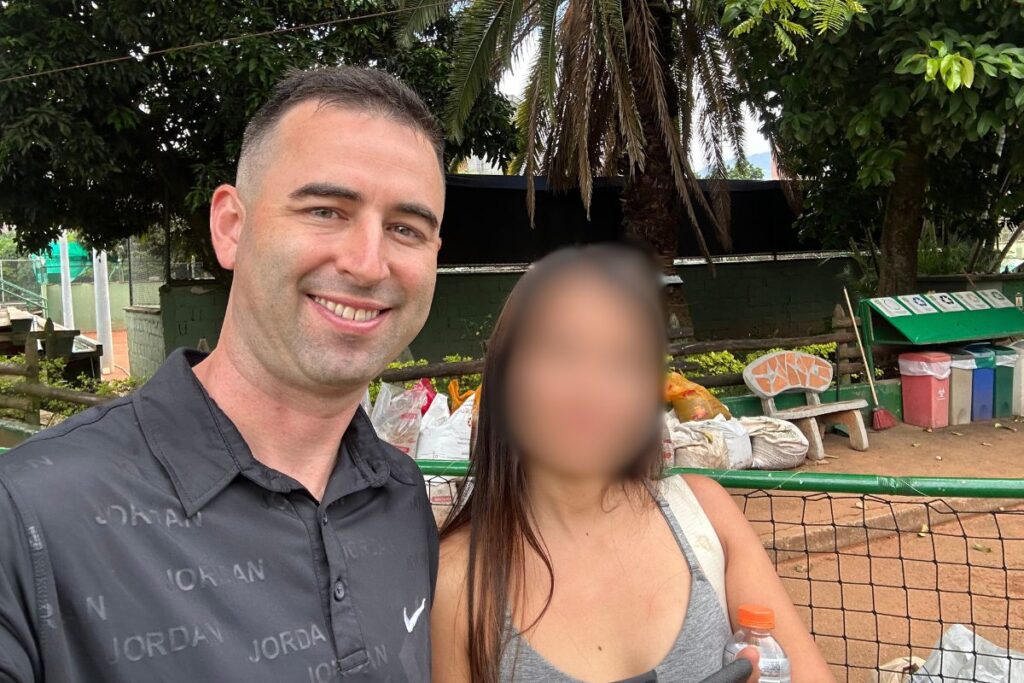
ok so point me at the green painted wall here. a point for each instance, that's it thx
(83, 302)
(190, 312)
(784, 298)
(758, 299)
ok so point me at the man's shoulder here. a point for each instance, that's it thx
(403, 468)
(83, 447)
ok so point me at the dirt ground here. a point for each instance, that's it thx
(880, 577)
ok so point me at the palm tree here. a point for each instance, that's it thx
(619, 87)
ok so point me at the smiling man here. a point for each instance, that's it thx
(238, 519)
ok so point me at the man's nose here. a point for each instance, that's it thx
(362, 254)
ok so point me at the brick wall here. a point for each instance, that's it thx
(145, 339)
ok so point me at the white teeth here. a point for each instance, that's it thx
(347, 312)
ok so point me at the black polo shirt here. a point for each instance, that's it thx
(140, 541)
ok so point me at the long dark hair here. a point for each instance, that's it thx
(494, 507)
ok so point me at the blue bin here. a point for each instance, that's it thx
(983, 384)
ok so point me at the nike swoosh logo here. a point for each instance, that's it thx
(410, 622)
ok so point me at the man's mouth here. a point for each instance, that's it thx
(348, 312)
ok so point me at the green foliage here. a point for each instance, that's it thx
(942, 76)
(109, 148)
(786, 20)
(51, 373)
(741, 169)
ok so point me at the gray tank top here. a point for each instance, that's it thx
(695, 655)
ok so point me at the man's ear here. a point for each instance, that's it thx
(227, 217)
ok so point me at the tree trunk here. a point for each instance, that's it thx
(651, 209)
(901, 229)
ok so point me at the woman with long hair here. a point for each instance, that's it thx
(568, 558)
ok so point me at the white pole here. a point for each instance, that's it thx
(100, 287)
(66, 307)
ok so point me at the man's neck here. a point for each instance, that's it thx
(287, 429)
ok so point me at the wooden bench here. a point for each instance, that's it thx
(787, 371)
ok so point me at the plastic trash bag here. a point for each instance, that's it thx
(775, 444)
(445, 436)
(691, 401)
(397, 414)
(717, 444)
(962, 655)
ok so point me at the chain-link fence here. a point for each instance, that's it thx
(881, 568)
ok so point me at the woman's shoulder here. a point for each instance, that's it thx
(453, 561)
(717, 503)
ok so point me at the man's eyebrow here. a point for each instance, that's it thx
(325, 190)
(418, 210)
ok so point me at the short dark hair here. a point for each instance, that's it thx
(351, 87)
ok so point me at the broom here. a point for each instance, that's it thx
(881, 418)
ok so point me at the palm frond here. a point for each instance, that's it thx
(422, 14)
(621, 81)
(478, 53)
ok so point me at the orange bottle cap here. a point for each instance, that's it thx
(755, 616)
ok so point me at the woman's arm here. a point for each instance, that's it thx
(750, 578)
(448, 614)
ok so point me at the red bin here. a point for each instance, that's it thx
(925, 380)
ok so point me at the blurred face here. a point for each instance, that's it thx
(335, 253)
(584, 380)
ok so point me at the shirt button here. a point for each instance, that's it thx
(323, 520)
(339, 590)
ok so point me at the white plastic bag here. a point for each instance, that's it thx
(775, 444)
(717, 444)
(396, 416)
(444, 436)
(962, 655)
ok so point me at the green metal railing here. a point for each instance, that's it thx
(967, 487)
(25, 296)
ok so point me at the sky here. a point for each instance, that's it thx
(513, 82)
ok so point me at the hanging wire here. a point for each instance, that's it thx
(210, 43)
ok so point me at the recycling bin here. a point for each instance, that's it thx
(924, 376)
(1018, 378)
(961, 372)
(1006, 365)
(982, 380)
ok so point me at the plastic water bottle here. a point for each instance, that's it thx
(756, 624)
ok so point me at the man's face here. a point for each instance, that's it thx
(337, 256)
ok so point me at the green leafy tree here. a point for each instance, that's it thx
(113, 149)
(740, 169)
(620, 87)
(910, 114)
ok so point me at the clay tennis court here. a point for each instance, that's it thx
(880, 577)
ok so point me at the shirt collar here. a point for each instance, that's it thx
(203, 451)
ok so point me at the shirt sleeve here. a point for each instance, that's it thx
(19, 651)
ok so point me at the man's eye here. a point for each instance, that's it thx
(406, 231)
(323, 213)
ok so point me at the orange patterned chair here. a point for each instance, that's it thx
(786, 371)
